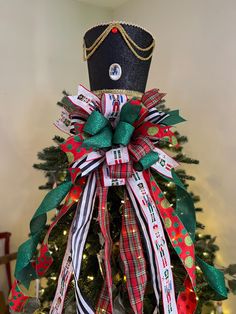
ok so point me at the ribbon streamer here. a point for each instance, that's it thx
(141, 192)
(79, 235)
(132, 256)
(24, 271)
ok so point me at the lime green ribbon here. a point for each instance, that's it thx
(24, 271)
(101, 132)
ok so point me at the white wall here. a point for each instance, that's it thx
(41, 54)
(195, 64)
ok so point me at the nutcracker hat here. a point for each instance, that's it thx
(119, 56)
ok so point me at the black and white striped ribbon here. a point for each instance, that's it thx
(79, 235)
(86, 165)
(144, 229)
(74, 120)
(156, 116)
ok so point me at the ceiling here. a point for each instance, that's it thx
(105, 3)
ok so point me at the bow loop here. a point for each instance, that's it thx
(95, 123)
(128, 116)
(103, 139)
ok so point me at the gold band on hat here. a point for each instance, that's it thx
(129, 93)
(89, 51)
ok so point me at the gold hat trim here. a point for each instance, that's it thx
(89, 51)
(129, 93)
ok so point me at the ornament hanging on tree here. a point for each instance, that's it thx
(115, 135)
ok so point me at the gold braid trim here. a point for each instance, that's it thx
(88, 52)
(129, 93)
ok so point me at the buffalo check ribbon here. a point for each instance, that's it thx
(112, 141)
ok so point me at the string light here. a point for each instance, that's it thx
(84, 256)
(205, 254)
(90, 278)
(64, 232)
(54, 278)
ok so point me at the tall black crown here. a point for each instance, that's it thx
(119, 57)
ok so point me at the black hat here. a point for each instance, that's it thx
(119, 57)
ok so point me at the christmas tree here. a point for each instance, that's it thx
(125, 231)
(54, 164)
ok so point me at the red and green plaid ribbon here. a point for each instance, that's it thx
(133, 258)
(104, 304)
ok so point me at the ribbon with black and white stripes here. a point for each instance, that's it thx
(75, 119)
(156, 116)
(87, 165)
(79, 235)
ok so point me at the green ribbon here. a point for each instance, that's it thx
(147, 161)
(215, 279)
(184, 206)
(173, 118)
(24, 272)
(186, 213)
(128, 115)
(103, 139)
(95, 123)
(100, 128)
(123, 133)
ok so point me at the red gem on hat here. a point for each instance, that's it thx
(114, 30)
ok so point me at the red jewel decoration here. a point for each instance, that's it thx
(114, 30)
